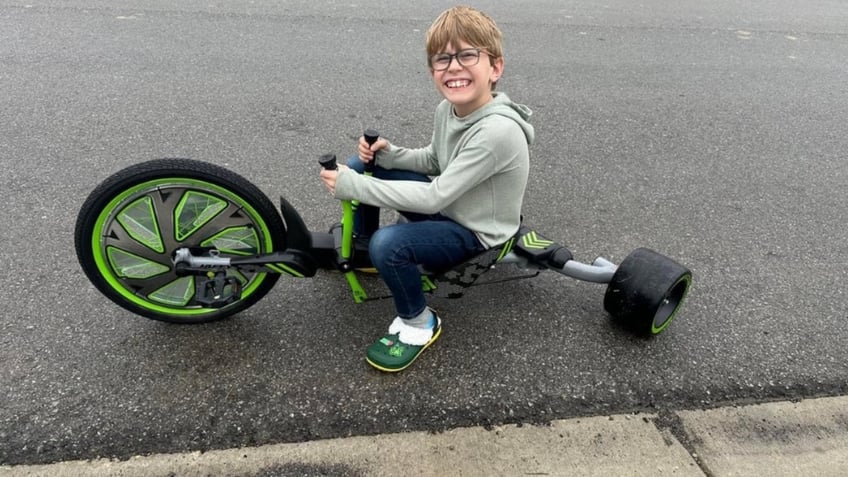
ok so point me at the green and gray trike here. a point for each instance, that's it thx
(185, 241)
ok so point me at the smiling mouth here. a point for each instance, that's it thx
(457, 83)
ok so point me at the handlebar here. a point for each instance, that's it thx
(371, 136)
(328, 161)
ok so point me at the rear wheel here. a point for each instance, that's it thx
(646, 291)
(131, 224)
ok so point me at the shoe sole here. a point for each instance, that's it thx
(395, 370)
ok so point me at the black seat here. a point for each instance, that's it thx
(452, 283)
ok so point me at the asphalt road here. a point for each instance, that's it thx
(712, 132)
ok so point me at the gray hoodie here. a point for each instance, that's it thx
(480, 165)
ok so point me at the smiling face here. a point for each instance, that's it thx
(467, 87)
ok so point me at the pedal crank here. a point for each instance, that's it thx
(216, 289)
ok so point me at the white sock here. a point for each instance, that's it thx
(415, 334)
(425, 319)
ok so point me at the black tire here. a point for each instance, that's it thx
(128, 228)
(646, 291)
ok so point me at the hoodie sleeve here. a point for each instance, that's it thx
(421, 160)
(477, 162)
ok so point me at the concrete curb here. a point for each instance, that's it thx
(785, 438)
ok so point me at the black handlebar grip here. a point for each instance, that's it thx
(371, 136)
(328, 162)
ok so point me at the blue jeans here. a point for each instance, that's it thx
(366, 217)
(430, 241)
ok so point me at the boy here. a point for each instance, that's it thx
(479, 161)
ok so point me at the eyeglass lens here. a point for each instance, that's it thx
(468, 57)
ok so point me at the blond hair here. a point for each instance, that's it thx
(464, 24)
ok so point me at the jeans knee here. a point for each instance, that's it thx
(355, 163)
(384, 249)
(378, 246)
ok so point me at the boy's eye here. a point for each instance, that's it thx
(441, 59)
(467, 56)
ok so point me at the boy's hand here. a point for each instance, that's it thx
(366, 153)
(329, 178)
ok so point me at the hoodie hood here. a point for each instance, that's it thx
(503, 106)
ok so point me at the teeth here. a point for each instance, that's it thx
(457, 83)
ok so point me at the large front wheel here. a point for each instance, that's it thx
(131, 224)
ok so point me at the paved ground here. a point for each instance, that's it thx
(775, 439)
(710, 131)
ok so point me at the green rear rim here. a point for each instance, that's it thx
(670, 304)
(137, 232)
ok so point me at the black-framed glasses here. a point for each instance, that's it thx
(468, 57)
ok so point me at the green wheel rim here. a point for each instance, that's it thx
(137, 231)
(671, 304)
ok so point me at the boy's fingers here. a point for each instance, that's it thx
(378, 144)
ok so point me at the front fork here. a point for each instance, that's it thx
(344, 247)
(344, 238)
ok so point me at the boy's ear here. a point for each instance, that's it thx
(497, 69)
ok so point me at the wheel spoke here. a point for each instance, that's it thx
(228, 219)
(195, 211)
(145, 287)
(165, 202)
(118, 237)
(236, 240)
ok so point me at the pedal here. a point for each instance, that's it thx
(216, 290)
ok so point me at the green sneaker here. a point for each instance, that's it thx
(391, 355)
